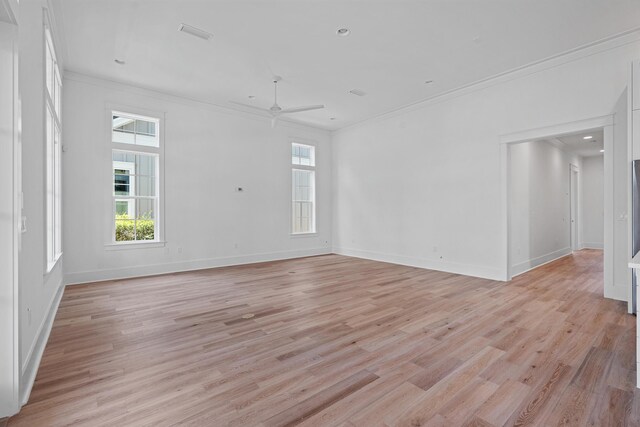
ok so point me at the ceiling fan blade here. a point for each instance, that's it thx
(300, 109)
(253, 107)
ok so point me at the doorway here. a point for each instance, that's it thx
(545, 201)
(574, 239)
(574, 207)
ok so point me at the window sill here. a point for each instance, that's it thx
(297, 235)
(134, 245)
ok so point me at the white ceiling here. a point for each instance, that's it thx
(576, 144)
(394, 46)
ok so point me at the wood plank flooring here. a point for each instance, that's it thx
(339, 341)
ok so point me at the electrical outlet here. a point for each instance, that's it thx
(179, 249)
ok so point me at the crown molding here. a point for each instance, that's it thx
(557, 130)
(179, 99)
(572, 55)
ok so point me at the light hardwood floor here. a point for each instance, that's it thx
(332, 341)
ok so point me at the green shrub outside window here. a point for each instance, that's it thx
(129, 230)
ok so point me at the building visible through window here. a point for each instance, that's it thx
(135, 166)
(303, 189)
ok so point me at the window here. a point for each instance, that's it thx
(53, 95)
(135, 167)
(303, 189)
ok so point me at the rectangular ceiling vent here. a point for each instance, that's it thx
(357, 92)
(197, 32)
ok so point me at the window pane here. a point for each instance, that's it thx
(145, 221)
(58, 93)
(57, 190)
(144, 127)
(145, 165)
(123, 156)
(49, 65)
(145, 186)
(50, 184)
(302, 220)
(302, 155)
(134, 174)
(123, 137)
(122, 208)
(125, 229)
(132, 130)
(121, 186)
(135, 195)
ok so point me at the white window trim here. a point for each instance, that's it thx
(52, 237)
(297, 141)
(134, 112)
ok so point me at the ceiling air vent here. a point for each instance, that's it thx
(357, 92)
(197, 32)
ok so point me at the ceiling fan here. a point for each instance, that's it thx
(275, 109)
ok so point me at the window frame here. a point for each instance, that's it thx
(110, 198)
(52, 137)
(311, 168)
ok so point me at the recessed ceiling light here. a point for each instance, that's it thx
(428, 82)
(343, 32)
(197, 32)
(602, 151)
(119, 61)
(357, 92)
(587, 137)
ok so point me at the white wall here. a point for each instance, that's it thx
(208, 153)
(9, 146)
(422, 186)
(539, 199)
(592, 173)
(39, 290)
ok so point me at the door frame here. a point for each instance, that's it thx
(574, 207)
(508, 140)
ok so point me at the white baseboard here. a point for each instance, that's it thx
(523, 267)
(174, 267)
(430, 264)
(32, 361)
(592, 245)
(618, 292)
